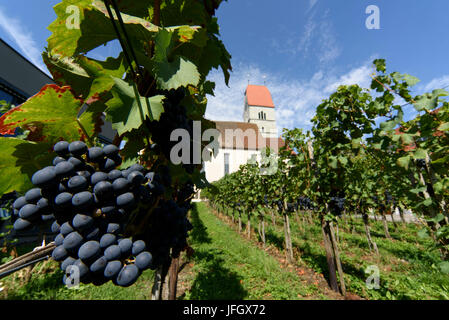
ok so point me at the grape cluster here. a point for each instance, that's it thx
(174, 117)
(305, 203)
(291, 207)
(337, 205)
(421, 163)
(90, 205)
(388, 198)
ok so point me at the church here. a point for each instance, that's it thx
(242, 141)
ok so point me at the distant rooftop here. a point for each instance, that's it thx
(259, 96)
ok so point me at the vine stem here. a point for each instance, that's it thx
(142, 116)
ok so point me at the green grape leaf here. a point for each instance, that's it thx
(19, 160)
(76, 29)
(443, 126)
(429, 101)
(103, 73)
(51, 115)
(410, 80)
(66, 72)
(124, 111)
(172, 72)
(404, 162)
(419, 154)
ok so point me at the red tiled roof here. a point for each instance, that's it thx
(244, 135)
(259, 96)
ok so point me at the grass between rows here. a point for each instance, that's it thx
(227, 266)
(407, 264)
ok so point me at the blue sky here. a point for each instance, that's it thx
(302, 50)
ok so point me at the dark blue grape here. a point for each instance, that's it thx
(59, 253)
(77, 184)
(99, 265)
(82, 267)
(57, 160)
(83, 200)
(77, 148)
(63, 201)
(22, 224)
(138, 247)
(110, 150)
(97, 177)
(120, 186)
(135, 178)
(125, 173)
(78, 164)
(112, 252)
(125, 247)
(108, 165)
(33, 195)
(59, 239)
(89, 251)
(29, 212)
(104, 190)
(137, 167)
(95, 154)
(125, 200)
(73, 241)
(112, 269)
(66, 228)
(82, 222)
(113, 228)
(128, 275)
(44, 177)
(107, 240)
(84, 173)
(67, 262)
(55, 227)
(64, 169)
(19, 203)
(61, 148)
(44, 206)
(109, 210)
(62, 188)
(144, 260)
(92, 234)
(114, 174)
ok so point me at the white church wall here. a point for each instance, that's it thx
(215, 168)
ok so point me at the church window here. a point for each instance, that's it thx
(226, 163)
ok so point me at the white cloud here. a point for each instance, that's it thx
(318, 39)
(295, 100)
(312, 3)
(436, 83)
(23, 39)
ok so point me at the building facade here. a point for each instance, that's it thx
(19, 78)
(242, 141)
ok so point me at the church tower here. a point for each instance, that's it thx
(259, 109)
